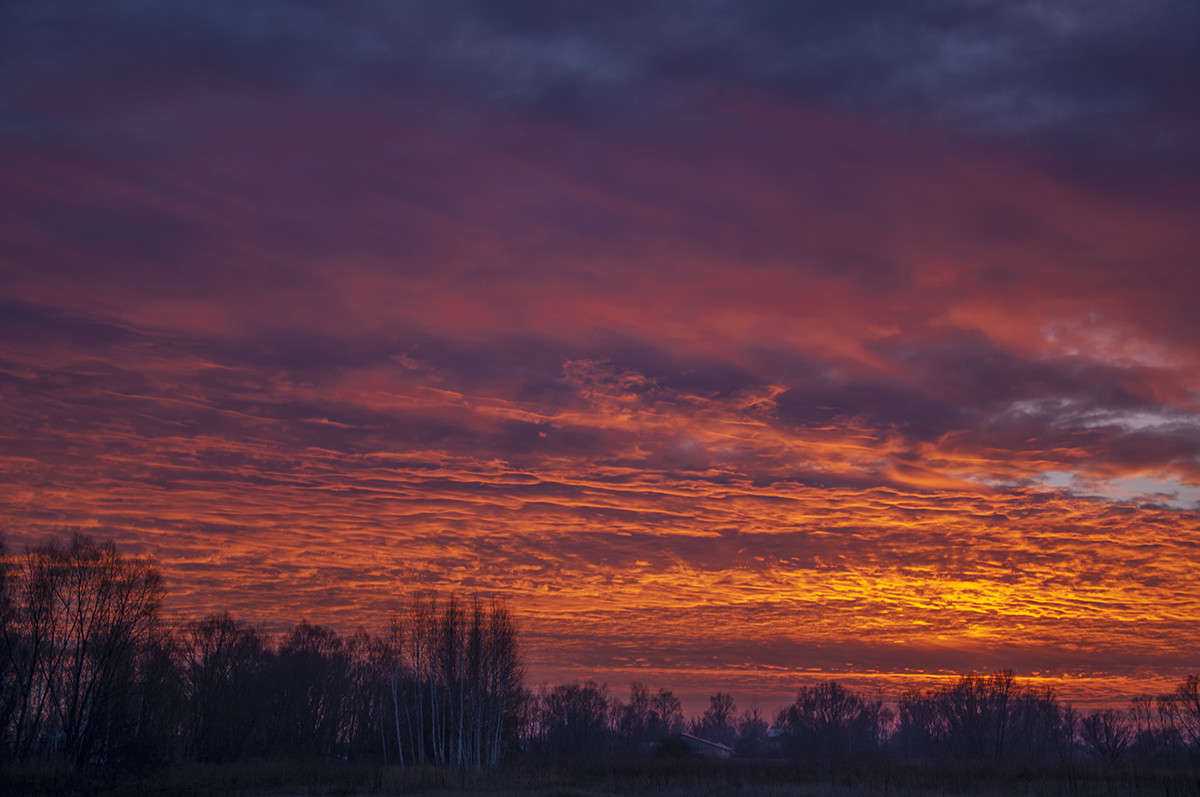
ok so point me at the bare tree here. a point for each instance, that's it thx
(504, 678)
(394, 658)
(111, 604)
(1187, 699)
(225, 671)
(717, 723)
(456, 677)
(1106, 734)
(574, 720)
(87, 674)
(752, 731)
(74, 620)
(832, 721)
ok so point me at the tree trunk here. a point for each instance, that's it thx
(396, 718)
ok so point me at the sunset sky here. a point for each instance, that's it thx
(735, 344)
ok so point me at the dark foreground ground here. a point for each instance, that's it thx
(668, 778)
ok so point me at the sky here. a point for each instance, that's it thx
(734, 344)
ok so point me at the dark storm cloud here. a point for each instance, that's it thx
(1007, 65)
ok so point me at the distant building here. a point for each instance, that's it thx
(706, 748)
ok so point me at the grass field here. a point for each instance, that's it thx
(669, 778)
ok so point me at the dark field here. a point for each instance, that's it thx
(649, 777)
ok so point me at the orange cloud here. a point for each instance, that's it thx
(840, 399)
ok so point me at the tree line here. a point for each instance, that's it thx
(90, 675)
(977, 718)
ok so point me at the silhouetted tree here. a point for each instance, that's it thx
(1036, 727)
(310, 678)
(160, 724)
(1106, 735)
(504, 679)
(1187, 701)
(752, 731)
(452, 683)
(226, 674)
(11, 654)
(829, 720)
(75, 618)
(647, 718)
(919, 726)
(88, 676)
(1156, 729)
(717, 723)
(985, 717)
(574, 720)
